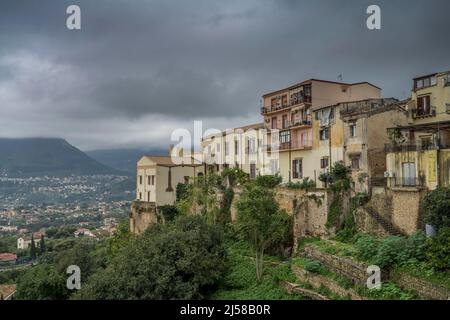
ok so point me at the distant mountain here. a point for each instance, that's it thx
(47, 156)
(123, 159)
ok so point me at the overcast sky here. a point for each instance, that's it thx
(139, 69)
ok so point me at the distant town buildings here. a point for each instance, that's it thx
(24, 243)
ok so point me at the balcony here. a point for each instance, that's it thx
(302, 123)
(296, 145)
(274, 108)
(407, 182)
(415, 147)
(423, 113)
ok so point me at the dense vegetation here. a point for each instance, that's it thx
(197, 253)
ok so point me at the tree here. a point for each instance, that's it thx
(42, 244)
(32, 248)
(261, 222)
(42, 282)
(436, 207)
(438, 250)
(182, 259)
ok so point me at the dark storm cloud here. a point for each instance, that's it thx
(137, 64)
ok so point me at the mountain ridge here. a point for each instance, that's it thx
(40, 156)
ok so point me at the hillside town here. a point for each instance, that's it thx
(400, 147)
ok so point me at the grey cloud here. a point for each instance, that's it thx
(198, 59)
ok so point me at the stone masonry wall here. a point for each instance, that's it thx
(142, 215)
(398, 212)
(347, 267)
(422, 287)
(310, 216)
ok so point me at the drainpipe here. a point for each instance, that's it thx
(438, 156)
(169, 180)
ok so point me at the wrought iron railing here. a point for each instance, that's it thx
(407, 182)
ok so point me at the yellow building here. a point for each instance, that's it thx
(419, 153)
(357, 137)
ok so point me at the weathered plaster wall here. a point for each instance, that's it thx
(142, 215)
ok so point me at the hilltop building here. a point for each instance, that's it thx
(288, 115)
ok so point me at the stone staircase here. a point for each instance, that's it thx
(384, 223)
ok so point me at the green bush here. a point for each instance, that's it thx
(390, 291)
(183, 259)
(389, 251)
(305, 184)
(235, 176)
(436, 207)
(438, 250)
(169, 212)
(366, 248)
(314, 267)
(181, 191)
(268, 181)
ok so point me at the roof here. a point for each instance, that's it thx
(390, 101)
(7, 290)
(319, 80)
(432, 74)
(259, 125)
(5, 257)
(426, 127)
(167, 160)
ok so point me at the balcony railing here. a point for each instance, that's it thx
(305, 144)
(300, 123)
(390, 148)
(306, 99)
(407, 182)
(420, 113)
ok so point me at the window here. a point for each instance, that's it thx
(273, 166)
(433, 81)
(252, 146)
(423, 105)
(274, 122)
(352, 130)
(140, 195)
(227, 146)
(285, 136)
(297, 169)
(148, 196)
(324, 134)
(324, 162)
(425, 82)
(153, 180)
(273, 102)
(331, 113)
(252, 170)
(186, 179)
(285, 121)
(355, 163)
(236, 147)
(140, 179)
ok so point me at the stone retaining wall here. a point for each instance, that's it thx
(344, 266)
(422, 287)
(317, 280)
